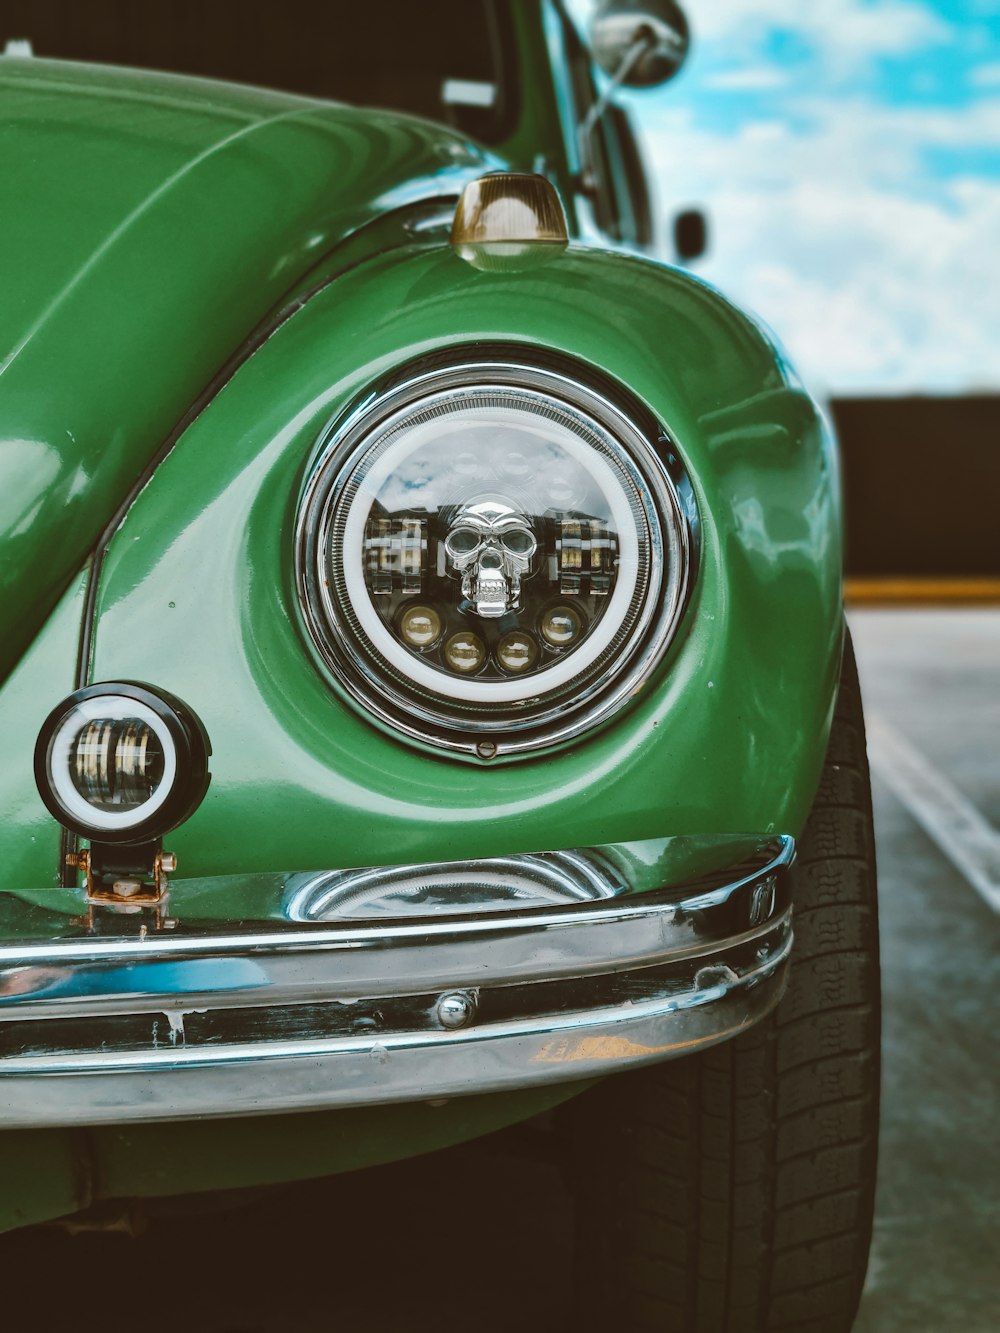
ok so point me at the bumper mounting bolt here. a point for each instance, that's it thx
(456, 1009)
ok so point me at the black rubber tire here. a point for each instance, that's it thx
(732, 1191)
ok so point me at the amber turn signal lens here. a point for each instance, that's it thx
(509, 207)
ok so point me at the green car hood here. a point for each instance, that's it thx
(149, 222)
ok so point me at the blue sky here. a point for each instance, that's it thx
(848, 153)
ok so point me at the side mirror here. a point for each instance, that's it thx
(639, 43)
(690, 234)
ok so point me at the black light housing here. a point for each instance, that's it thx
(122, 763)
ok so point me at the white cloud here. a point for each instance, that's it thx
(847, 31)
(881, 292)
(874, 277)
(844, 36)
(831, 213)
(856, 140)
(755, 78)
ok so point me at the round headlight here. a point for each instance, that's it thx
(492, 550)
(120, 763)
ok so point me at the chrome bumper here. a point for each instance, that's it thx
(294, 1015)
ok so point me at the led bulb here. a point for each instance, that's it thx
(561, 626)
(465, 652)
(116, 764)
(561, 492)
(517, 466)
(420, 626)
(517, 651)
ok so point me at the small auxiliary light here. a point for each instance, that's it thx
(119, 763)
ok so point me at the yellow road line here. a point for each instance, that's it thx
(868, 590)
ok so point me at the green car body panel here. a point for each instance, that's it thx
(172, 218)
(157, 213)
(714, 743)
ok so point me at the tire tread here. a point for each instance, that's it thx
(736, 1191)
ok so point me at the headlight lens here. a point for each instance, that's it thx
(491, 550)
(121, 763)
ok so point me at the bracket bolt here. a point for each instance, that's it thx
(456, 1009)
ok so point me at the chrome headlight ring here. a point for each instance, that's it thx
(492, 555)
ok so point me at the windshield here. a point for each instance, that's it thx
(445, 59)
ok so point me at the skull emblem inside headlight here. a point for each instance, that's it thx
(490, 544)
(492, 550)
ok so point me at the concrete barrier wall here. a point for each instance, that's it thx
(921, 486)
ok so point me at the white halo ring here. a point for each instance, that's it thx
(442, 683)
(61, 745)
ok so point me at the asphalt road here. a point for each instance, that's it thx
(479, 1237)
(932, 680)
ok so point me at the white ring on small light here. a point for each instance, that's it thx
(494, 691)
(61, 747)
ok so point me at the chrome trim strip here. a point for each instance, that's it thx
(266, 1077)
(549, 878)
(330, 962)
(197, 1022)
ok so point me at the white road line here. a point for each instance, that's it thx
(969, 841)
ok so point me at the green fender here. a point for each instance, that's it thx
(197, 593)
(157, 220)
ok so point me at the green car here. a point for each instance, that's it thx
(425, 702)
